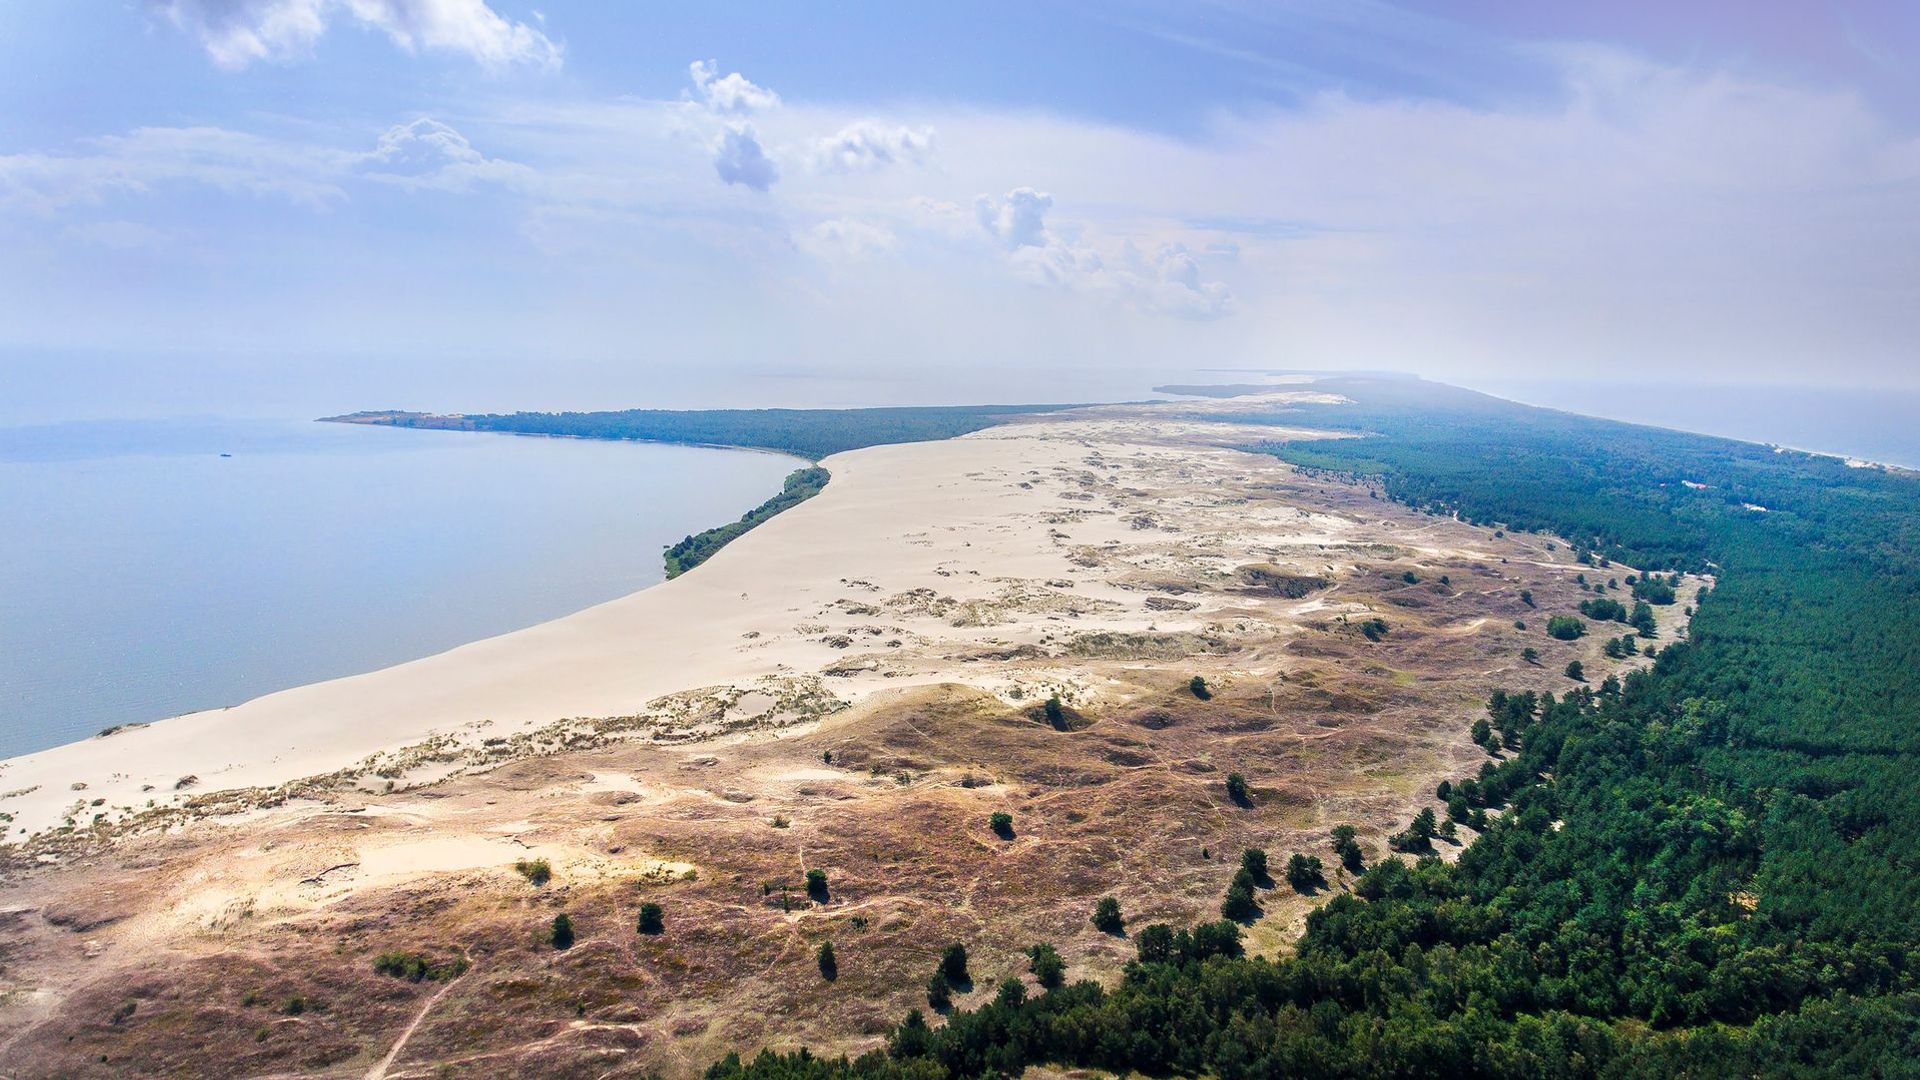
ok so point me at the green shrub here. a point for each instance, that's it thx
(652, 919)
(536, 871)
(1565, 627)
(1106, 916)
(1254, 862)
(1304, 873)
(1237, 790)
(561, 936)
(1047, 967)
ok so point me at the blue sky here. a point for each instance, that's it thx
(484, 205)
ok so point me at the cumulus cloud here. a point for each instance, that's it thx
(739, 158)
(1017, 221)
(238, 33)
(425, 153)
(866, 145)
(731, 95)
(1170, 282)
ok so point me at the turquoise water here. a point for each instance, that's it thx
(143, 575)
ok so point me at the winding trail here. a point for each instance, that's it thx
(379, 1072)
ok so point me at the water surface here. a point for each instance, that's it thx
(143, 574)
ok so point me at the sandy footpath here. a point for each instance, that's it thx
(913, 554)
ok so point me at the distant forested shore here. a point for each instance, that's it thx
(808, 433)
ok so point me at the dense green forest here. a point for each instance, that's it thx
(1711, 868)
(801, 485)
(810, 433)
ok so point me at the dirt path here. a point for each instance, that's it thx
(379, 1072)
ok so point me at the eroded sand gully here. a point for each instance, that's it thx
(855, 686)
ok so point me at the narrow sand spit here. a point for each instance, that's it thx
(917, 562)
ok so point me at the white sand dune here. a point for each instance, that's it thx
(982, 521)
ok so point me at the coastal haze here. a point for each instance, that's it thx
(878, 542)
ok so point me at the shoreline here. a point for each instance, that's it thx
(931, 554)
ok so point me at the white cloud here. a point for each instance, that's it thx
(425, 153)
(1169, 283)
(731, 95)
(865, 145)
(1019, 220)
(739, 158)
(422, 153)
(238, 33)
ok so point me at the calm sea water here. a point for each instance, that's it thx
(1878, 424)
(144, 575)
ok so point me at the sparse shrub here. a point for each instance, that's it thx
(537, 871)
(1238, 904)
(561, 936)
(1483, 735)
(1565, 627)
(1047, 967)
(1526, 597)
(1304, 873)
(1345, 846)
(1002, 824)
(829, 964)
(1106, 916)
(953, 964)
(1197, 686)
(1374, 629)
(1409, 577)
(1056, 713)
(1418, 835)
(652, 919)
(293, 1006)
(1254, 862)
(780, 821)
(414, 967)
(1237, 790)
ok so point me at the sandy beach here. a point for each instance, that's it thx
(864, 581)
